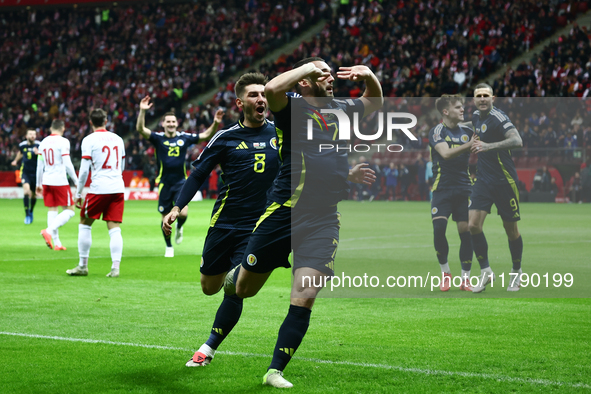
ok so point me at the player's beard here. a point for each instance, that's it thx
(318, 91)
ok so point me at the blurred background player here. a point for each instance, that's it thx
(103, 154)
(27, 151)
(496, 183)
(303, 215)
(450, 145)
(170, 149)
(248, 156)
(53, 164)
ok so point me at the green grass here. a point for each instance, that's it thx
(147, 323)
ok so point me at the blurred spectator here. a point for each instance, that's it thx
(391, 174)
(575, 188)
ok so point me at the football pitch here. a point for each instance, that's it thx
(61, 334)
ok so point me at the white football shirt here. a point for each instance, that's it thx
(51, 150)
(107, 152)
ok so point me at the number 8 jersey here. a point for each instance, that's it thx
(107, 153)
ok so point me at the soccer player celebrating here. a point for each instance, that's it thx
(450, 145)
(248, 156)
(53, 164)
(104, 153)
(171, 148)
(496, 183)
(302, 215)
(27, 151)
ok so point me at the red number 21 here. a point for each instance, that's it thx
(116, 149)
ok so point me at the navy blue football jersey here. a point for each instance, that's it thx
(29, 160)
(494, 166)
(308, 175)
(450, 173)
(170, 153)
(248, 158)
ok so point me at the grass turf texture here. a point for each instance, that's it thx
(149, 321)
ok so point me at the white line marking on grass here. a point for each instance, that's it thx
(420, 371)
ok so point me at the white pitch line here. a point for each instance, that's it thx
(420, 371)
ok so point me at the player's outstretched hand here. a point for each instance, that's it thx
(355, 73)
(78, 202)
(361, 173)
(219, 115)
(169, 220)
(145, 104)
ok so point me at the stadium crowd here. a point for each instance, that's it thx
(61, 62)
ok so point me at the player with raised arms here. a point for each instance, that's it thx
(301, 213)
(171, 148)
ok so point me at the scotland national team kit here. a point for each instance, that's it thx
(301, 209)
(29, 163)
(170, 153)
(496, 174)
(452, 185)
(248, 158)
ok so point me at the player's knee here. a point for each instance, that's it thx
(211, 285)
(474, 227)
(511, 230)
(244, 291)
(305, 292)
(439, 227)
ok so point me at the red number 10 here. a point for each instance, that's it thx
(116, 149)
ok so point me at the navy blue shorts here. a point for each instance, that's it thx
(455, 202)
(168, 195)
(505, 196)
(223, 250)
(31, 179)
(312, 235)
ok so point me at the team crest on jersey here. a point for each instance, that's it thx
(464, 138)
(259, 145)
(434, 210)
(180, 142)
(273, 143)
(201, 262)
(161, 208)
(251, 259)
(484, 128)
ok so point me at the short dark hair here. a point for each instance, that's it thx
(306, 61)
(483, 85)
(98, 117)
(169, 113)
(249, 79)
(57, 124)
(446, 100)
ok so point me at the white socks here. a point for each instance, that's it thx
(116, 246)
(445, 268)
(56, 222)
(84, 243)
(50, 216)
